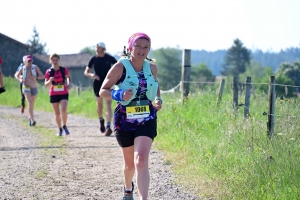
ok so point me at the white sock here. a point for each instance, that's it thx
(128, 189)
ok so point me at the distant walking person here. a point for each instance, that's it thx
(21, 84)
(28, 74)
(57, 76)
(2, 89)
(101, 63)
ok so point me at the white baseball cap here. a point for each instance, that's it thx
(101, 44)
(24, 58)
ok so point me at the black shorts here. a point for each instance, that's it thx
(126, 138)
(97, 86)
(58, 98)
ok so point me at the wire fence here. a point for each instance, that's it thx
(269, 112)
(228, 104)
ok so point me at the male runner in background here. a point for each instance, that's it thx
(101, 63)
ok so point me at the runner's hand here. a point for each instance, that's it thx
(68, 87)
(51, 79)
(96, 77)
(127, 94)
(157, 105)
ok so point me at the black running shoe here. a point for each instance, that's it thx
(102, 127)
(128, 195)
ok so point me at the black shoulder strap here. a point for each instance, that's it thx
(62, 71)
(51, 72)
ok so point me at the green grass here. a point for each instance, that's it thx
(227, 157)
(83, 104)
(217, 151)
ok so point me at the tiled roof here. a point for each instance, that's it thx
(13, 40)
(67, 60)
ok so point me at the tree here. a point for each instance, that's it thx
(35, 46)
(169, 65)
(279, 79)
(201, 73)
(256, 71)
(292, 71)
(91, 50)
(236, 59)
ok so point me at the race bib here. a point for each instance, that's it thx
(58, 88)
(135, 112)
(26, 88)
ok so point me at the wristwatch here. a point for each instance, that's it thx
(159, 99)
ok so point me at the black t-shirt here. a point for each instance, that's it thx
(101, 65)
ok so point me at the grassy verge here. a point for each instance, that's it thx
(83, 104)
(210, 146)
(228, 157)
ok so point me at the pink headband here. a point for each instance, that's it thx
(135, 37)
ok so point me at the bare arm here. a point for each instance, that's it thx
(87, 72)
(39, 72)
(91, 75)
(154, 71)
(68, 81)
(158, 103)
(111, 79)
(48, 81)
(18, 74)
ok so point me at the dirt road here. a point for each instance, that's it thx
(86, 164)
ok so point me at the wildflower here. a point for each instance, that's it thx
(259, 149)
(292, 139)
(224, 114)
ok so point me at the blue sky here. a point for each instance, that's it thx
(68, 26)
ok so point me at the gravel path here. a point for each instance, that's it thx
(86, 166)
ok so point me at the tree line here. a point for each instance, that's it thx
(235, 61)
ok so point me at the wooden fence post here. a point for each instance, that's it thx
(185, 74)
(235, 93)
(270, 123)
(247, 97)
(220, 92)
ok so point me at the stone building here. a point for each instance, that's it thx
(11, 52)
(76, 63)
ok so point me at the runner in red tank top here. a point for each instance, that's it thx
(56, 77)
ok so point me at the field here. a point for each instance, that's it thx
(213, 148)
